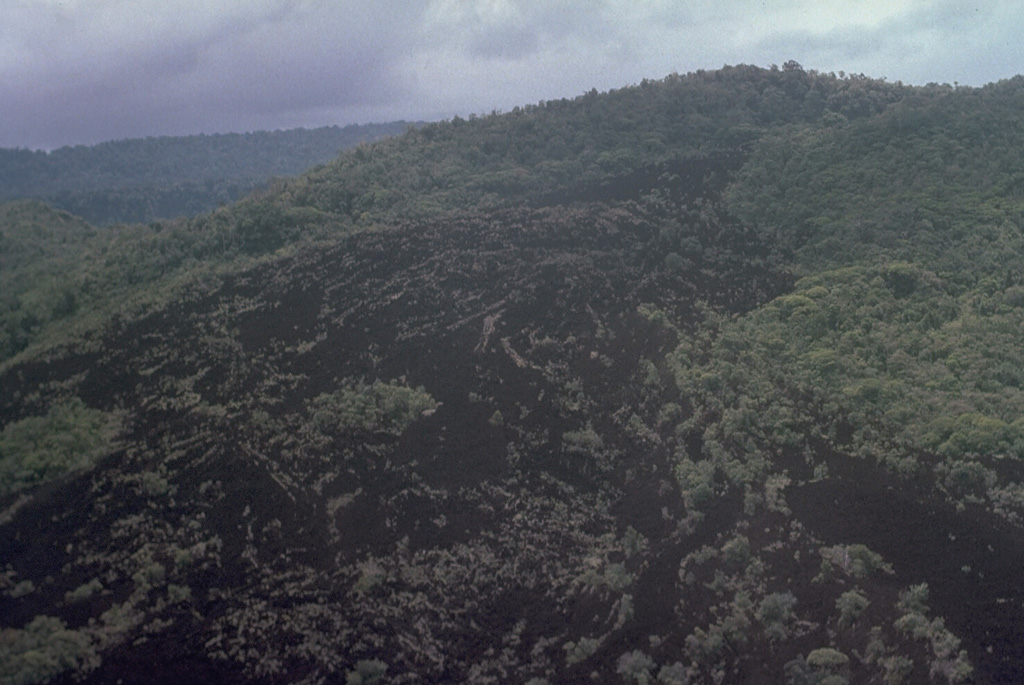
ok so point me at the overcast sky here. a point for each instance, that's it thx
(85, 71)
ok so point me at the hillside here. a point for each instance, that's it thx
(139, 180)
(709, 379)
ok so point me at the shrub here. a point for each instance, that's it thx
(615, 577)
(850, 605)
(823, 666)
(635, 667)
(39, 449)
(696, 480)
(575, 652)
(914, 599)
(775, 612)
(43, 649)
(584, 441)
(84, 591)
(854, 560)
(388, 407)
(736, 552)
(674, 674)
(366, 672)
(826, 658)
(178, 593)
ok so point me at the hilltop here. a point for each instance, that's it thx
(714, 378)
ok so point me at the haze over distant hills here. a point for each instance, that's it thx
(139, 180)
(710, 379)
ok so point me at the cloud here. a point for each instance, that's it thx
(939, 41)
(81, 71)
(118, 68)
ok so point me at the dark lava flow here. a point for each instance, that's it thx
(972, 562)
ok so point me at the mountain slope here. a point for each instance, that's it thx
(455, 409)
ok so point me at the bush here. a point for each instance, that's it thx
(914, 599)
(356, 406)
(775, 612)
(584, 441)
(736, 552)
(83, 591)
(635, 667)
(575, 652)
(45, 648)
(854, 560)
(850, 605)
(674, 674)
(366, 672)
(826, 658)
(823, 666)
(38, 449)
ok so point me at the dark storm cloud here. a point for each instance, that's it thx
(86, 72)
(81, 71)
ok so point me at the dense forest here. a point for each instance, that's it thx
(716, 378)
(139, 180)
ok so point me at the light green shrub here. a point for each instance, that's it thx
(356, 406)
(38, 449)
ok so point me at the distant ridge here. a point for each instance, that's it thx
(142, 179)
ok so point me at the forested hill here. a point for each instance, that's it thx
(711, 379)
(138, 180)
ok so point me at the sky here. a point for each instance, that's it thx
(85, 71)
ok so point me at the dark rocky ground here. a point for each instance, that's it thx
(528, 524)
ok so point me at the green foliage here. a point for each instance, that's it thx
(673, 674)
(857, 561)
(947, 659)
(40, 250)
(967, 477)
(68, 438)
(84, 591)
(826, 658)
(635, 667)
(375, 407)
(43, 649)
(775, 612)
(178, 593)
(367, 672)
(153, 574)
(613, 576)
(914, 599)
(696, 480)
(581, 650)
(823, 666)
(736, 551)
(973, 433)
(583, 441)
(850, 605)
